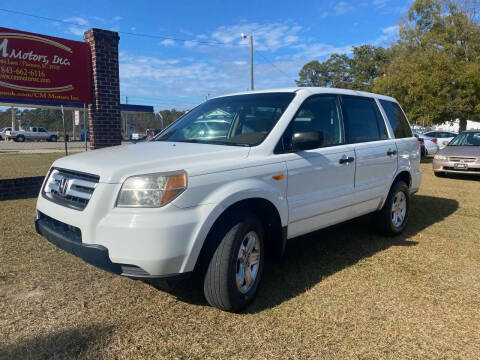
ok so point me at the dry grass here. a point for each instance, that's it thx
(24, 165)
(341, 293)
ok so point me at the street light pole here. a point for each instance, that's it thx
(251, 60)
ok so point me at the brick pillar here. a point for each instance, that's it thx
(104, 112)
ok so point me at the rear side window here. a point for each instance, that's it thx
(397, 119)
(362, 120)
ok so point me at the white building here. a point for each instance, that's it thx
(454, 126)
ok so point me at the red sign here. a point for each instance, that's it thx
(43, 68)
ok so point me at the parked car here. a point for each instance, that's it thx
(138, 136)
(32, 133)
(427, 146)
(462, 155)
(183, 203)
(441, 138)
(3, 132)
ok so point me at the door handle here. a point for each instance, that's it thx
(346, 160)
(391, 152)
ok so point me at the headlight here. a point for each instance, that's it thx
(152, 190)
(440, 157)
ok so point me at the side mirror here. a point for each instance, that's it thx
(307, 140)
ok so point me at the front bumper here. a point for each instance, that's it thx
(159, 241)
(68, 238)
(446, 166)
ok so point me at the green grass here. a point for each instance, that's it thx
(340, 293)
(25, 165)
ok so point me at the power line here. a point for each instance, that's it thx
(212, 42)
(274, 66)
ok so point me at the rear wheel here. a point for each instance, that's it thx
(234, 262)
(392, 219)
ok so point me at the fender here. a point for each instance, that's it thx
(239, 190)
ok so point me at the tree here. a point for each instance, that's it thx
(356, 72)
(435, 65)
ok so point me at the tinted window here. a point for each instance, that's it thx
(321, 114)
(397, 119)
(232, 120)
(360, 119)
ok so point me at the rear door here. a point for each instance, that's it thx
(375, 152)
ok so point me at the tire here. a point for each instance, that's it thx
(388, 222)
(20, 138)
(439, 173)
(423, 153)
(223, 285)
(52, 138)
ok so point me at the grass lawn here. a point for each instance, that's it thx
(24, 165)
(340, 293)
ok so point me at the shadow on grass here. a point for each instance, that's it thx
(310, 258)
(62, 344)
(460, 176)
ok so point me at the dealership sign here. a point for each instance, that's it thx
(41, 69)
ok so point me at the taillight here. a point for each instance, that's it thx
(434, 140)
(421, 143)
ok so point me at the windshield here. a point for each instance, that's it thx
(241, 120)
(466, 139)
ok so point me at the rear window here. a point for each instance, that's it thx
(396, 118)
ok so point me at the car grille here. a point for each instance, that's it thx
(462, 159)
(70, 188)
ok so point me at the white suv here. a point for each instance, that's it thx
(231, 181)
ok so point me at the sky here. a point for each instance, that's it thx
(194, 49)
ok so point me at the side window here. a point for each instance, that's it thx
(34, 129)
(397, 119)
(318, 113)
(361, 120)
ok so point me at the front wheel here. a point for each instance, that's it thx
(234, 263)
(52, 138)
(392, 219)
(20, 138)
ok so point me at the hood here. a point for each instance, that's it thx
(114, 164)
(469, 151)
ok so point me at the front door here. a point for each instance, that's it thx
(320, 181)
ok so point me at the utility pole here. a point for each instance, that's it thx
(13, 118)
(252, 87)
(251, 63)
(125, 134)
